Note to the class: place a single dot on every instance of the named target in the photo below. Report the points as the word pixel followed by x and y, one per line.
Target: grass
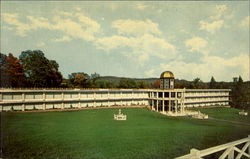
pixel 93 134
pixel 225 113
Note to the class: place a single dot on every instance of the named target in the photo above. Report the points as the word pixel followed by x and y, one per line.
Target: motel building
pixel 166 100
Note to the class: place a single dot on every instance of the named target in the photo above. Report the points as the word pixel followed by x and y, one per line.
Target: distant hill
pixel 151 80
pixel 115 78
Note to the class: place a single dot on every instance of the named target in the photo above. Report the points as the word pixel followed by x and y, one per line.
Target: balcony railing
pixel 228 149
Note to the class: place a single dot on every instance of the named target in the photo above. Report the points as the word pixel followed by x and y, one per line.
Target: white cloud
pixel 220 68
pixel 81 27
pixel 139 39
pixel 196 44
pixel 245 22
pixel 113 42
pixel 12 19
pixel 211 27
pixel 78 8
pixel 216 21
pixel 136 27
pixel 151 73
pixel 140 47
pixel 113 6
pixel 38 23
pixel 219 11
pixel 141 6
pixel 40 44
pixel 64 38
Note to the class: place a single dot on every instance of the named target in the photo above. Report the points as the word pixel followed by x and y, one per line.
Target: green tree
pixel 240 94
pixel 142 84
pixel 4 77
pixel 12 73
pixel 104 84
pixel 127 83
pixel 156 84
pixel 212 84
pixel 92 80
pixel 94 76
pixel 196 83
pixel 79 79
pixel 40 71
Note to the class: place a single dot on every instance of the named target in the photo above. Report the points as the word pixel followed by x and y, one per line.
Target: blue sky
pixel 133 39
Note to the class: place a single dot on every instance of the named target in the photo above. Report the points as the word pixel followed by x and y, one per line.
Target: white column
pixel 23 107
pixel 182 102
pixel 108 98
pixel 62 96
pixel 44 106
pixel 169 102
pixel 157 102
pixel 176 102
pixel 152 104
pixel 44 96
pixel 62 106
pixel 23 97
pixel 175 106
pixel 163 106
pixel 79 98
pixel 94 99
pixel 132 97
pixel 157 105
pixel 169 105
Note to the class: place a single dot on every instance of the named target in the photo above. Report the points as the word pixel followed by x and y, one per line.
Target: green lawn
pixel 93 134
pixel 226 113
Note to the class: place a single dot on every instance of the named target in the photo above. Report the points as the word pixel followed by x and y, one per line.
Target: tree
pixel 104 84
pixel 12 73
pixel 212 84
pixel 240 94
pixel 79 79
pixel 94 76
pixel 127 83
pixel 40 71
pixel 92 80
pixel 4 79
pixel 142 84
pixel 240 81
pixel 195 83
pixel 156 84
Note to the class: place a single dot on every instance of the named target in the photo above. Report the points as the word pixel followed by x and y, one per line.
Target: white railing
pixel 229 149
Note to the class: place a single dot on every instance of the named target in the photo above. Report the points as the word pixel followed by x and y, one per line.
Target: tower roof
pixel 167 74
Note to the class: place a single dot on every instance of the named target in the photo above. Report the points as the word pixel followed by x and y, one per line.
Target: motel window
pixel 172 94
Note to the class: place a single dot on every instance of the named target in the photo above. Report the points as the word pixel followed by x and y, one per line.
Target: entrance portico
pixel 167 101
